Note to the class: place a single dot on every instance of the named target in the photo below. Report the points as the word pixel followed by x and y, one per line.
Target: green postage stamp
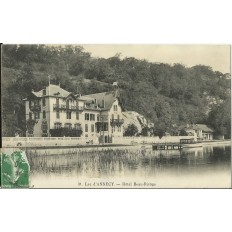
pixel 15 169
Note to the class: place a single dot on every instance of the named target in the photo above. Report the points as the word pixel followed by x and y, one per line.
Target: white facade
pixel 115 113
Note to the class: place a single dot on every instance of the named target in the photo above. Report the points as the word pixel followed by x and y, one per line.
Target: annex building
pixel 200 131
pixel 55 112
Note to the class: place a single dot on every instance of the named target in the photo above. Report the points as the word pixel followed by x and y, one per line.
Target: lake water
pixel 131 167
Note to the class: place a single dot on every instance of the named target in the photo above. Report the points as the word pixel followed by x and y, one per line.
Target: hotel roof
pixel 107 97
pixel 54 90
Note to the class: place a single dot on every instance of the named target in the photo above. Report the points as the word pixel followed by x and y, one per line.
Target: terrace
pixel 116 122
pixel 36 108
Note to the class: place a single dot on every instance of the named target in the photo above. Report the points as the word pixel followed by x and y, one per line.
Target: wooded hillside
pixel 167 95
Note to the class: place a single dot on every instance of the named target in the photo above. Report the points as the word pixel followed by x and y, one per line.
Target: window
pixel 87 117
pixel 77 126
pixel 57 101
pixel 69 115
pixel 36 115
pixel 92 117
pixel 44 102
pixel 30 104
pixel 77 105
pixel 44 114
pixel 30 115
pixel 57 125
pixel 57 114
pixel 86 127
pixel 106 126
pixel 44 126
pixel 77 115
pixel 67 104
pixel 44 91
pixel 98 118
pixel 92 128
pixel 36 103
pixel 68 125
pixel 112 116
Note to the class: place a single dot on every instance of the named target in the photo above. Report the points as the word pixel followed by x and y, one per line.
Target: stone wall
pixel 75 141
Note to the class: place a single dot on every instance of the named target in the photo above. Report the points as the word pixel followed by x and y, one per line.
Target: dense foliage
pixel 167 95
pixel 61 132
pixel 131 130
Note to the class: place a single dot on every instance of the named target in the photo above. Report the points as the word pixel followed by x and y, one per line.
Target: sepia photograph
pixel 115 116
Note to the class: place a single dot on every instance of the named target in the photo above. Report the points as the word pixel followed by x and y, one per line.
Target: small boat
pixel 166 146
pixel 189 143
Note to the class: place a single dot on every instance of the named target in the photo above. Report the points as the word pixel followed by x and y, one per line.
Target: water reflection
pixel 128 163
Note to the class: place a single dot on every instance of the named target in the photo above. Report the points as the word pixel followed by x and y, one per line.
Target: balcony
pixel 103 118
pixel 116 122
pixel 36 108
pixel 65 107
pixel 101 126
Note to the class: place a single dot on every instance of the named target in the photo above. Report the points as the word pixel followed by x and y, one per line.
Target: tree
pixel 160 132
pixel 131 130
pixel 165 94
pixel 61 132
pixel 9 55
pixel 220 118
pixel 145 131
pixel 183 132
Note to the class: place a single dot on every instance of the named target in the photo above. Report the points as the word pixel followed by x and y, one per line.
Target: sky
pixel 216 56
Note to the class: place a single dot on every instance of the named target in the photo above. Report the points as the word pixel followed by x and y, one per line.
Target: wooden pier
pixel 167 146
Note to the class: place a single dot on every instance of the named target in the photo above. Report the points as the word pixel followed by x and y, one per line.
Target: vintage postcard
pixel 115 116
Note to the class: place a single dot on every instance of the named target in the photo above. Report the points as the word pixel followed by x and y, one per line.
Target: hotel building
pixel 55 112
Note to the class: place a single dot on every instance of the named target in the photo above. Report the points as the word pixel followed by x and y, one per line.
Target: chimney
pixel 115 84
pixel 49 79
pixel 77 89
pixel 116 90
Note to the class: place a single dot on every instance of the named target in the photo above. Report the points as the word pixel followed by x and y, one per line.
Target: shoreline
pixel 108 145
pixel 216 142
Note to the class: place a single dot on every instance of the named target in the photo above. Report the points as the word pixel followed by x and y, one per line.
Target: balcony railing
pixel 35 108
pixel 103 118
pixel 65 107
pixel 101 126
pixel 91 106
pixel 116 122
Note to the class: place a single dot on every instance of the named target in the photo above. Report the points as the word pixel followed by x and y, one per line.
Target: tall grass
pixel 107 161
pixel 112 162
